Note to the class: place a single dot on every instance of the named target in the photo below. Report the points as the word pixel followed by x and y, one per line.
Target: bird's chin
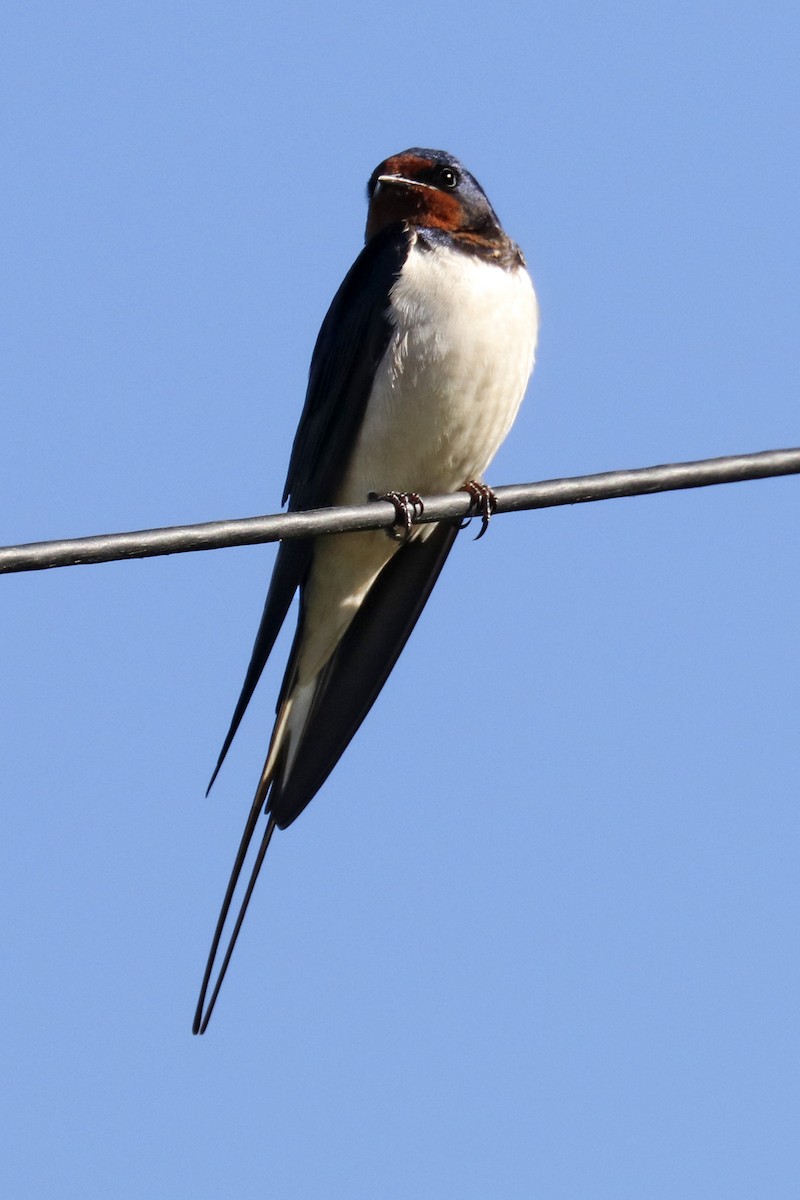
pixel 398 200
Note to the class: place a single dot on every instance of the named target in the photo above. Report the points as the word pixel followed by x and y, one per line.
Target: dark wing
pixel 350 681
pixel 350 345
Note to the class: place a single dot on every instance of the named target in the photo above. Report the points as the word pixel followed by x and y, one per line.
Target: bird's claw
pixel 408 507
pixel 483 504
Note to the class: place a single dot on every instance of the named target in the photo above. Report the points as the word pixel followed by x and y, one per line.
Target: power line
pixel 377 514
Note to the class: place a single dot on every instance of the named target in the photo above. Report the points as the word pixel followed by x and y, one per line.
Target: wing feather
pixel 351 680
pixel 351 344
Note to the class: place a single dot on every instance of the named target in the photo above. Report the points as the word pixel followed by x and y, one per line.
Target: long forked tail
pixel 317 720
pixel 203 1012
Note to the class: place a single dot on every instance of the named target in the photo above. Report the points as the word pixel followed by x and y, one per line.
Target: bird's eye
pixel 448 177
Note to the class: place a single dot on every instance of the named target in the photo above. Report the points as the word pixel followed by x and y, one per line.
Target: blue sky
pixel 538 935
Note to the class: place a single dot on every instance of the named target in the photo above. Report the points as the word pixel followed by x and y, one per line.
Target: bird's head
pixel 431 189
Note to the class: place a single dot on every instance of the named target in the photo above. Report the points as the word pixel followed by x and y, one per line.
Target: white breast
pixel 444 398
pixel 453 376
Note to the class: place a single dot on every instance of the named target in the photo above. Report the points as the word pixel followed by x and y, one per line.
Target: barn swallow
pixel 417 375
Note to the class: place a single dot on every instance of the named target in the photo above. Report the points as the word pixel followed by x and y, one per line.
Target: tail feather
pixel 201 1017
pixel 316 720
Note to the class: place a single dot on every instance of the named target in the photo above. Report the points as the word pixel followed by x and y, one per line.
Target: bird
pixel 418 372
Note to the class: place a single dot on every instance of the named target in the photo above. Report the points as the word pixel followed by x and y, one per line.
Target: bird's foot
pixel 483 504
pixel 408 507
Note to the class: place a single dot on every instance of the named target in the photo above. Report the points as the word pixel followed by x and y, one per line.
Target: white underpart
pixel 445 396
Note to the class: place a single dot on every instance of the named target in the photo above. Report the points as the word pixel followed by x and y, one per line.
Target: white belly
pixel 445 397
pixel 452 379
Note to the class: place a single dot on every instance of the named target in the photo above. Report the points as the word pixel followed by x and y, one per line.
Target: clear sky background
pixel 538 935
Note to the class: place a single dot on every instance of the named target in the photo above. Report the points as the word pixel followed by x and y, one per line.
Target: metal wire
pixel 247 531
